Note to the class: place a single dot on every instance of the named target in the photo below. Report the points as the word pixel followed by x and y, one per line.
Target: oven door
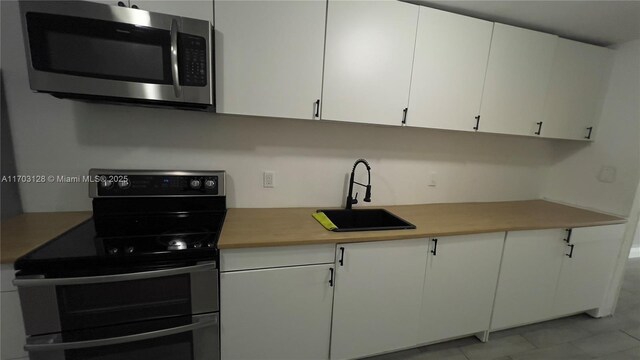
pixel 52 305
pixel 95 50
pixel 184 338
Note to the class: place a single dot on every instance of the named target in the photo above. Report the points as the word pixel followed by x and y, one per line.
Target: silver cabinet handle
pixel 48 342
pixel 177 89
pixel 114 278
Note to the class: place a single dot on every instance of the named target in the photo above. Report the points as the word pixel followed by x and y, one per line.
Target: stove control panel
pixel 149 183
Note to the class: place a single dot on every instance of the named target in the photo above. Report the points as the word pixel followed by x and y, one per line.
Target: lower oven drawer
pixel 183 338
pixel 53 305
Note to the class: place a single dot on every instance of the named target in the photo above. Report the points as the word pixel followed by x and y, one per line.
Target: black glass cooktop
pixel 142 220
pixel 107 243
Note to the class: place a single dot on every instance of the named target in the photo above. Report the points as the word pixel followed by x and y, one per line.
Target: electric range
pixel 138 279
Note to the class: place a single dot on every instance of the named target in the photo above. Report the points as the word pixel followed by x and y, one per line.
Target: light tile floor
pixel 572 338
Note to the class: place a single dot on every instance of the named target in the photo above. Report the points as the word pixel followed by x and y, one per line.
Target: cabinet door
pixel 576 91
pixel 586 274
pixel 518 76
pixel 377 297
pixel 269 57
pixel 460 285
pixel 280 313
pixel 12 336
pixel 528 277
pixel 368 59
pixel 448 70
pixel 196 9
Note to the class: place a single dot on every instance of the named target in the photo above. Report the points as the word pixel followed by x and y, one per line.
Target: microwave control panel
pixel 192 52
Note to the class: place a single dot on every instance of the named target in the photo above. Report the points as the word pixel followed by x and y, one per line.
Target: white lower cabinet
pixel 382 296
pixel 377 297
pixel 585 275
pixel 528 277
pixel 552 273
pixel 12 335
pixel 459 286
pixel 277 313
pixel 12 330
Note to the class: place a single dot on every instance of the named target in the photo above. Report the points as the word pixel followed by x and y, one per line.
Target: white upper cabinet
pixel 196 9
pixel 517 80
pixel 269 57
pixel 448 70
pixel 576 92
pixel 368 60
pixel 377 297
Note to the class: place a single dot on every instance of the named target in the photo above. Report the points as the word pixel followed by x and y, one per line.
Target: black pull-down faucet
pixel 367 196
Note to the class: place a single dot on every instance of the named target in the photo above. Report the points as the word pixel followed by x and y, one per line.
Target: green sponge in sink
pixel 324 221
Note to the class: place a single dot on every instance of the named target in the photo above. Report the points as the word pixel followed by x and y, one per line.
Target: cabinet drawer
pixel 269 257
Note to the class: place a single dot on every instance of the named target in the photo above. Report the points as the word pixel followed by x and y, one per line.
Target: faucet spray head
pixel 367 194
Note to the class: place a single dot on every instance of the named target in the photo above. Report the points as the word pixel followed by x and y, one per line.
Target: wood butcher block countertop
pixel 23 233
pixel 244 228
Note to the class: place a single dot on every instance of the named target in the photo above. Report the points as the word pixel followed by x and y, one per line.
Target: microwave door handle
pixel 48 342
pixel 177 89
pixel 209 266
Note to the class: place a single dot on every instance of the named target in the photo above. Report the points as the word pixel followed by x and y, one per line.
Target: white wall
pixel 310 158
pixel 573 176
pixel 635 246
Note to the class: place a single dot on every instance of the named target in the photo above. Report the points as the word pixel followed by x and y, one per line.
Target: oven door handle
pixel 177 89
pixel 26 282
pixel 53 342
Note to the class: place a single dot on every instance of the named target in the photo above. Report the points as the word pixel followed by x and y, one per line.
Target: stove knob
pixel 210 244
pixel 176 244
pixel 194 184
pixel 129 250
pixel 113 251
pixel 209 184
pixel 197 245
pixel 106 184
pixel 124 184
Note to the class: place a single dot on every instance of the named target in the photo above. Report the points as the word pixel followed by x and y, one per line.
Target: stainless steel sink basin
pixel 365 220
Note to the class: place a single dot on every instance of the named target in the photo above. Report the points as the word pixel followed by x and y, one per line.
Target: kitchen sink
pixel 365 220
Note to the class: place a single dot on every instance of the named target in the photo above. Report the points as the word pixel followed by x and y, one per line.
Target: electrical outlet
pixel 268 179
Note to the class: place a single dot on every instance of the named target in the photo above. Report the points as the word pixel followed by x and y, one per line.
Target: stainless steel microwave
pixel 80 49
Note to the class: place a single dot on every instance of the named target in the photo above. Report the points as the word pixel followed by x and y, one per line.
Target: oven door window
pixel 99 49
pixel 101 304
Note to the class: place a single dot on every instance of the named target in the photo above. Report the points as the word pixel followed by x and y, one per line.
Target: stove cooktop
pixel 129 232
